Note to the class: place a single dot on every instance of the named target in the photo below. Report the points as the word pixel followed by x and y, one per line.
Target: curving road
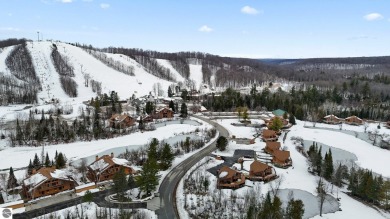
pixel 167 189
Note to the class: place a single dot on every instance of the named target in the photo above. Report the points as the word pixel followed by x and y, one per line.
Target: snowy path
pixel 196 75
pixel 45 70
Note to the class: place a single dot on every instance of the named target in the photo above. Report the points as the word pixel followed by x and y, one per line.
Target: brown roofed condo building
pixel 354 120
pixel 229 178
pixel 261 172
pixel 47 181
pixel 281 159
pixel 269 135
pixel 271 146
pixel 105 167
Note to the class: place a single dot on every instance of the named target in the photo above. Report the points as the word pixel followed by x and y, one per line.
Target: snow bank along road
pixel 167 189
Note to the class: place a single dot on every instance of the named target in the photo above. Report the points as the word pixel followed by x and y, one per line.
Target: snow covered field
pixel 78 150
pixel 88 210
pixel 297 178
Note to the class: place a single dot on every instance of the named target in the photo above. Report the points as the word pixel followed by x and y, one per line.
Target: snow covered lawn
pixel 297 178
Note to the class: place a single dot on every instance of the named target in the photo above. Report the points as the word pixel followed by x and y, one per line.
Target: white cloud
pixel 250 10
pixel 205 28
pixel 9 29
pixel 9 14
pixel 66 1
pixel 361 37
pixel 104 5
pixel 373 17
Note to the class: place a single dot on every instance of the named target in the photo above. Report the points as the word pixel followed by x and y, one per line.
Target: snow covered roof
pixel 118 117
pixel 105 161
pixel 223 174
pixel 35 179
pixel 353 117
pixel 331 116
pixel 44 174
pixel 119 161
pixel 226 172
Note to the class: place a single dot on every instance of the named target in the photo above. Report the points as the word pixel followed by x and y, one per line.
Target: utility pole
pixel 38 35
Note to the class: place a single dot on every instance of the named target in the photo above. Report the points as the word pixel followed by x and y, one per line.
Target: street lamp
pixel 38 35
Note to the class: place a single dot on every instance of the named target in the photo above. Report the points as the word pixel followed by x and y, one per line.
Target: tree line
pixel 66 72
pixel 117 65
pixel 305 103
pixel 51 129
pixel 11 42
pixel 24 85
pixel 361 183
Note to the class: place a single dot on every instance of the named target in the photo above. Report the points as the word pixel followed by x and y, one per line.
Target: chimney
pixel 241 161
pixel 97 157
pixel 112 154
pixel 33 171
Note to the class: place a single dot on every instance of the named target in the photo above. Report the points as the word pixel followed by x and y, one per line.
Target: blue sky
pixel 244 28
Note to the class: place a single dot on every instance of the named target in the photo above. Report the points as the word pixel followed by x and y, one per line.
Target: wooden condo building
pixel 281 159
pixel 332 119
pixel 47 181
pixel 271 146
pixel 105 167
pixel 119 121
pixel 229 178
pixel 269 135
pixel 261 172
pixel 353 120
pixel 163 113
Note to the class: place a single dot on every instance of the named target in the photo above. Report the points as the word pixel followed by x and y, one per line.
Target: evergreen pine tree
pixel 170 93
pixel 149 107
pixel 12 182
pixel 47 160
pixel 148 179
pixel 166 157
pixel 19 133
pixel 276 124
pixel 318 162
pixel 97 129
pixel 292 119
pixel 277 211
pixel 267 209
pixel 130 182
pixel 152 150
pixel 30 167
pixel 222 143
pixel 328 172
pixel 120 184
pixel 183 110
pixel 61 161
pixel 36 162
pixel 172 106
pixel 295 209
pixel 141 124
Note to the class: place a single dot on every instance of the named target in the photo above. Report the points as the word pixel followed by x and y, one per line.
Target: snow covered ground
pixel 88 210
pixel 368 156
pixel 79 150
pixel 196 75
pixel 167 64
pixel 297 178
